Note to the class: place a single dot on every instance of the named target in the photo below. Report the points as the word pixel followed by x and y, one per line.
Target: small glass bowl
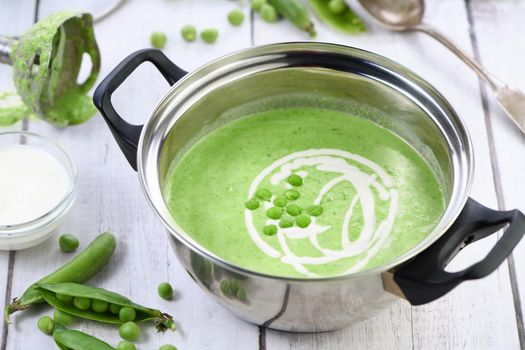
pixel 29 234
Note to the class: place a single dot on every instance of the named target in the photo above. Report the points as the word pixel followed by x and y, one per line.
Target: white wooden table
pixel 484 314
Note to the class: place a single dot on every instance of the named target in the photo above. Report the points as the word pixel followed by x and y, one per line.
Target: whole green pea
pixel 270 230
pixel 292 195
pixel 236 17
pixel 68 243
pixel 124 345
pixel 225 287
pixel 257 4
pixel 295 180
pixel 127 314
pixel 337 6
pixel 82 303
pixel 99 305
pixel 63 318
pixel 252 204
pixel 294 209
pixel 280 202
pixel 274 213
pixel 268 13
pixel 129 331
pixel 167 347
pixel 115 309
pixel 46 324
pixel 263 194
pixel 303 221
pixel 285 223
pixel 158 40
pixel 314 210
pixel 64 297
pixel 165 291
pixel 209 35
pixel 188 33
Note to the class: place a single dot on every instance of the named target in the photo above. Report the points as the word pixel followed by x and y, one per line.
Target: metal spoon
pixel 407 15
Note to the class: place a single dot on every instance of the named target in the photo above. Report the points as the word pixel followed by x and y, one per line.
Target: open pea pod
pixel 346 21
pixel 49 292
pixel 67 339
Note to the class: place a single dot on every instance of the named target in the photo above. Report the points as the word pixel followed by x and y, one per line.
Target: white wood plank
pixel 110 198
pixel 499 29
pixel 467 317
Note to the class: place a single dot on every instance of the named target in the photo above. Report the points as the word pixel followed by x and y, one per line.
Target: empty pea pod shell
pixel 67 339
pixel 162 321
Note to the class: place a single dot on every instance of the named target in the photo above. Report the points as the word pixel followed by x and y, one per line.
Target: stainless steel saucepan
pixel 393 97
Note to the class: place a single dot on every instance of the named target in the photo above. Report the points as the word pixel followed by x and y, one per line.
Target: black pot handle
pixel 127 135
pixel 424 279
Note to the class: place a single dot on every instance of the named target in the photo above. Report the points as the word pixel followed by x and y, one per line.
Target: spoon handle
pixel 510 99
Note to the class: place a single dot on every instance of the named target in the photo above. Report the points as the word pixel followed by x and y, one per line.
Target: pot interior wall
pixel 316 87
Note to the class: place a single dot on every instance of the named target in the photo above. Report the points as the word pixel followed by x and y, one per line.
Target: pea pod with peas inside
pixel 62 296
pixel 82 267
pixel 344 20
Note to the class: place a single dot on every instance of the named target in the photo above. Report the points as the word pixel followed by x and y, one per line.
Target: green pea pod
pixel 67 339
pixel 162 321
pixel 82 267
pixel 346 22
pixel 297 13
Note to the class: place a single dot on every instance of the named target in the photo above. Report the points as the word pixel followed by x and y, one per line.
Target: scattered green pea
pixel 252 204
pixel 127 314
pixel 270 230
pixel 314 210
pixel 209 35
pixel 280 202
pixel 294 209
pixel 225 287
pixel 64 297
pixel 292 195
pixel 63 318
pixel 115 309
pixel 124 345
pixel 295 180
pixel 82 303
pixel 234 286
pixel 285 223
pixel 46 324
pixel 268 13
pixel 303 221
pixel 129 331
pixel 337 6
pixel 68 243
pixel 99 305
pixel 158 40
pixel 274 213
pixel 167 347
pixel 165 290
pixel 257 4
pixel 188 33
pixel 241 294
pixel 236 17
pixel 263 194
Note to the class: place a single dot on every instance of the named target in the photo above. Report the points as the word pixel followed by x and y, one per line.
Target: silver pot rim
pixel 159 123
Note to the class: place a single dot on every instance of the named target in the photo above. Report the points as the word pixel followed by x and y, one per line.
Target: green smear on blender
pixel 12 109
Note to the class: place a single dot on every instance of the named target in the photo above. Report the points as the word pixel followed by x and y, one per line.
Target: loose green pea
pixel 188 33
pixel 158 40
pixel 127 314
pixel 209 35
pixel 236 17
pixel 82 303
pixel 63 318
pixel 337 6
pixel 252 204
pixel 225 287
pixel 280 202
pixel 285 223
pixel 124 345
pixel 292 195
pixel 303 221
pixel 274 213
pixel 115 309
pixel 99 305
pixel 270 230
pixel 295 180
pixel 241 294
pixel 129 331
pixel 234 286
pixel 268 13
pixel 263 194
pixel 314 210
pixel 294 209
pixel 167 347
pixel 165 291
pixel 257 4
pixel 46 324
pixel 64 297
pixel 68 243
